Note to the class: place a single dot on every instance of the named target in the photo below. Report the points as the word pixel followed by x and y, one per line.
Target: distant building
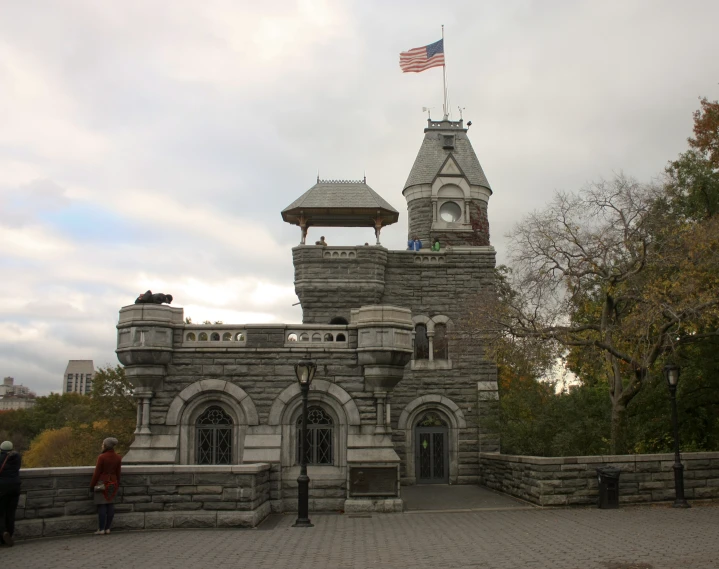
pixel 15 396
pixel 78 377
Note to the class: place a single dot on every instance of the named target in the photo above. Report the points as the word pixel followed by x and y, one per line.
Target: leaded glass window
pixel 421 342
pixel 319 445
pixel 431 419
pixel 214 436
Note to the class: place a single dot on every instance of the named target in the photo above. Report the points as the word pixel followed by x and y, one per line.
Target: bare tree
pixel 598 271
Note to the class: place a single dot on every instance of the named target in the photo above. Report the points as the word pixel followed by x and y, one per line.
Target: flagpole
pixel 444 78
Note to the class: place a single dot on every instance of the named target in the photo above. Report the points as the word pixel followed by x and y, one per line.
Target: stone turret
pixel 447 191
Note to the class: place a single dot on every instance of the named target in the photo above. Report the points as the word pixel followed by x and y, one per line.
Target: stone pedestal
pixel 144 346
pixel 384 346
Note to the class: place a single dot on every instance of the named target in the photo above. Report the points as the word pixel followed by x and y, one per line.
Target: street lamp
pixel 671 373
pixel 305 371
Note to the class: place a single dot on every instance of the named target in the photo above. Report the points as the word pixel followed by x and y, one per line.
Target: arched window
pixel 339 320
pixel 214 437
pixel 421 342
pixel 440 342
pixel 215 337
pixel 319 444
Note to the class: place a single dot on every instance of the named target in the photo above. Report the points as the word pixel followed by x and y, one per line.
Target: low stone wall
pixel 57 501
pixel 566 481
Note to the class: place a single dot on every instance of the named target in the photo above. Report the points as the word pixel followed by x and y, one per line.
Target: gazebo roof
pixel 340 203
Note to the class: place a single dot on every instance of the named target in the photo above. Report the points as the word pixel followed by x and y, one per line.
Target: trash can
pixel 608 477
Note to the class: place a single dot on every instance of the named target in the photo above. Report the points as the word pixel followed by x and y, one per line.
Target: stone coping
pixel 148 469
pixel 450 249
pixel 301 348
pixel 600 459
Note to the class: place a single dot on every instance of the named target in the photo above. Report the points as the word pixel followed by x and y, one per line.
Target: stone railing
pixel 57 501
pixel 209 335
pixel 316 335
pixel 565 481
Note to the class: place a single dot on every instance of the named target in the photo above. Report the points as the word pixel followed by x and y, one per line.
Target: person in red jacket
pixel 105 483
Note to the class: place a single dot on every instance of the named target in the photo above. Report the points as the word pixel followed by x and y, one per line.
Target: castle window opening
pixel 191 337
pixel 450 212
pixel 421 342
pixel 341 338
pixel 215 337
pixel 203 337
pixel 226 337
pixel 214 437
pixel 240 337
pixel 440 350
pixel 292 337
pixel 304 337
pixel 339 320
pixel 329 337
pixel 319 447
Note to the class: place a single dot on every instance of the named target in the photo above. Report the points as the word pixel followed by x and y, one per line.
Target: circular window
pixel 450 212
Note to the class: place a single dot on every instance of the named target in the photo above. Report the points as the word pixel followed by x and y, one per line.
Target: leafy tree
pixel 706 130
pixel 77 445
pixel 67 429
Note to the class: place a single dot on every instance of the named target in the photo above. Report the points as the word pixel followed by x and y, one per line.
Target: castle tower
pixel 331 281
pixel 447 191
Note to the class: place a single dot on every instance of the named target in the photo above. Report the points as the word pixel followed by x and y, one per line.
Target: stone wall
pixel 57 501
pixel 445 283
pixel 566 481
pixel 419 213
pixel 329 281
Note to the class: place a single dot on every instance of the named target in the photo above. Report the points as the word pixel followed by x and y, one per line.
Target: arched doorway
pixel 432 451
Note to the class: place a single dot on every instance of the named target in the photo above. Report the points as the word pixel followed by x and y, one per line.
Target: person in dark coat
pixel 105 483
pixel 10 462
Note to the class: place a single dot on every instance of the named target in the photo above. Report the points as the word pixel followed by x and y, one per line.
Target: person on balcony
pixel 321 242
pixel 414 244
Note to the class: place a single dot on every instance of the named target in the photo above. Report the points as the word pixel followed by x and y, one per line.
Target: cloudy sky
pixel 152 144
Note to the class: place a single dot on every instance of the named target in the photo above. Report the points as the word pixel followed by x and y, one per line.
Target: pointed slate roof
pixel 432 155
pixel 340 203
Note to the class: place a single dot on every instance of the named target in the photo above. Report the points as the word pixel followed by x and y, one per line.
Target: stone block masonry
pixel 566 481
pixel 57 501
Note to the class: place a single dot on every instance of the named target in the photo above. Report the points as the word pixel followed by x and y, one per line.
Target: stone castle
pixel 395 400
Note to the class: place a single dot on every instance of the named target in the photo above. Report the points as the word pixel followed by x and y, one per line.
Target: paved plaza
pixel 656 537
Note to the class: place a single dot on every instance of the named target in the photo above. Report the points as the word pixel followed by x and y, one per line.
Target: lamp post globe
pixel 305 372
pixel 671 374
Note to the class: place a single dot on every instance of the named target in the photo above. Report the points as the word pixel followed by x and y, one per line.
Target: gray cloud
pixel 181 129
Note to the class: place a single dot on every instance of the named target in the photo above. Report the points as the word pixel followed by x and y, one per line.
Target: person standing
pixel 435 245
pixel 105 484
pixel 10 462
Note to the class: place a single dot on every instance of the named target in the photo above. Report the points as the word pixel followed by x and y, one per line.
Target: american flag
pixel 421 58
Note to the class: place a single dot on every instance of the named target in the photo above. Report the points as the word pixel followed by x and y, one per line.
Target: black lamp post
pixel 305 371
pixel 671 373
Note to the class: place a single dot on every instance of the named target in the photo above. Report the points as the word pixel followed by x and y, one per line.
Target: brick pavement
pixel 656 537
